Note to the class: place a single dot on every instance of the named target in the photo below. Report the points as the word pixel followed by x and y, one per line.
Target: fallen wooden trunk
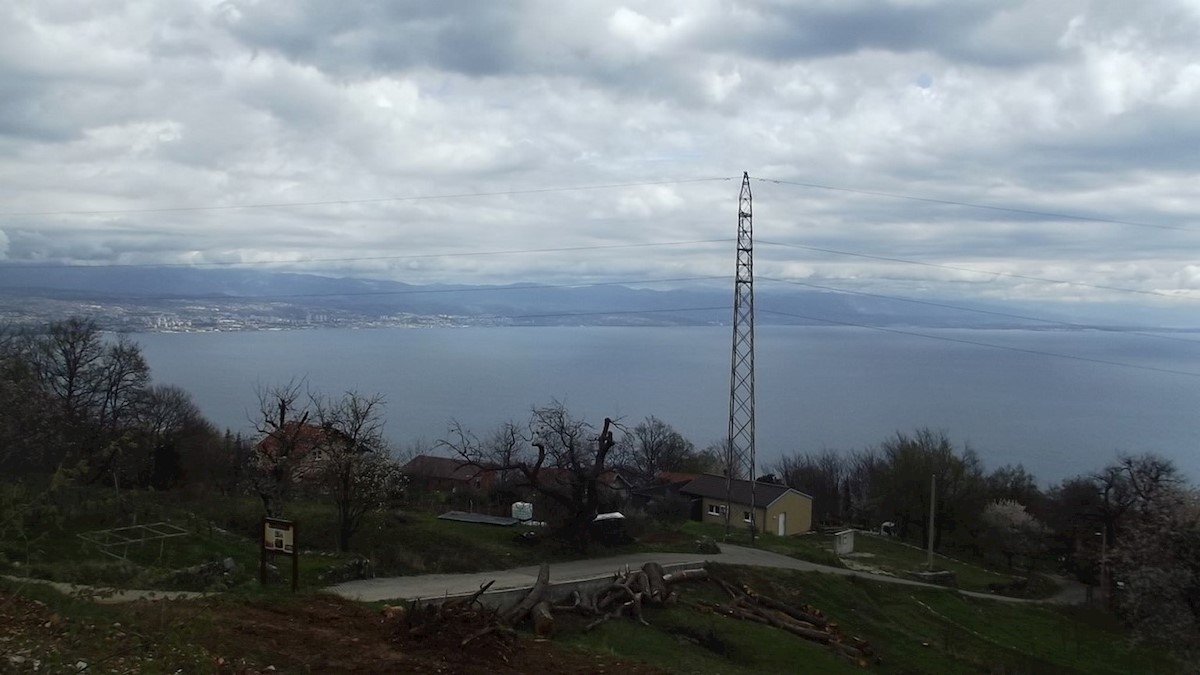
pixel 543 620
pixel 517 613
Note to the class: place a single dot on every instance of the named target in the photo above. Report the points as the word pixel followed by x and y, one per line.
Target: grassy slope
pixel 221 527
pixel 914 631
pixel 415 543
pixel 899 559
pixel 817 548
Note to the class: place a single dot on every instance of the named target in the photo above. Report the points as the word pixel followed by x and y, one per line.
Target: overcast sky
pixel 1074 107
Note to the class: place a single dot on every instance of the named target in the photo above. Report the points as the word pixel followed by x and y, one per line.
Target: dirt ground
pixel 311 634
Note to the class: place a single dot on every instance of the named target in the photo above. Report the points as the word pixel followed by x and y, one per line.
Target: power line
pixel 617 312
pixel 415 256
pixel 339 202
pixel 977 310
pixel 989 207
pixel 956 268
pixel 1021 350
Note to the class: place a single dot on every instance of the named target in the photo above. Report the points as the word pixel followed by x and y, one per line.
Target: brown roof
pixel 675 476
pixel 448 468
pixel 715 487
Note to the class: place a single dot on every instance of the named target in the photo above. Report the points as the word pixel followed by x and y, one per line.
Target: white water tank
pixel 522 511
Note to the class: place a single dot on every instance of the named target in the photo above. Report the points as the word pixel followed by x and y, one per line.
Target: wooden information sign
pixel 279 538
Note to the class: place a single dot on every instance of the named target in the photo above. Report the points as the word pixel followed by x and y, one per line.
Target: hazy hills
pixel 48 291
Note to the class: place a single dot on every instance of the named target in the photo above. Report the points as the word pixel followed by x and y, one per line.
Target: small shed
pixel 843 542
pixel 609 529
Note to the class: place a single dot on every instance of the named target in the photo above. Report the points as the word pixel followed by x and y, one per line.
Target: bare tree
pixel 282 424
pixel 96 387
pixel 556 455
pixel 355 467
pixel 176 436
pixel 1131 486
pixel 865 471
pixel 656 446
pixel 28 427
pixel 820 475
pixel 123 378
pixel 69 358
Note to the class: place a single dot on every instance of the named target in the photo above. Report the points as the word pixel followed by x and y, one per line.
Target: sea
pixel 1060 402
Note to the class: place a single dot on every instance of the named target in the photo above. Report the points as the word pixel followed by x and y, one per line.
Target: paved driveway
pixel 439 585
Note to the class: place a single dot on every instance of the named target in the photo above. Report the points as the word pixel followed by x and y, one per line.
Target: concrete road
pixel 440 585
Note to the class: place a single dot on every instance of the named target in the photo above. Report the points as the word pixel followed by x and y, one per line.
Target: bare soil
pixel 310 634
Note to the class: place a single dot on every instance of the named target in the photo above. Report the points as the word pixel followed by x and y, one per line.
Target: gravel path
pixel 107 596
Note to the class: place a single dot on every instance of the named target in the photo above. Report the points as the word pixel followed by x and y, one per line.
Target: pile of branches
pixel 801 620
pixel 467 624
pixel 452 626
pixel 629 591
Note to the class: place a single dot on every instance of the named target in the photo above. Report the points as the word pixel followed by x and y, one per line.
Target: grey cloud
pixel 790 31
pixel 376 37
pixel 255 103
pixel 30 113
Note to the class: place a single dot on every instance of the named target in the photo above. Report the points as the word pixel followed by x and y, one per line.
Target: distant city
pixel 225 316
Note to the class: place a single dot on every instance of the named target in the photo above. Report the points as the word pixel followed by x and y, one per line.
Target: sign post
pixel 279 537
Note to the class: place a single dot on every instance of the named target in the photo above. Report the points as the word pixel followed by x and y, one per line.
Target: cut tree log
pixel 654 580
pixel 685 575
pixel 517 613
pixel 794 612
pixel 543 620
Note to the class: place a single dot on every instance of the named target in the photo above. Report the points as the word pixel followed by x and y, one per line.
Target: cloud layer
pixel 1072 107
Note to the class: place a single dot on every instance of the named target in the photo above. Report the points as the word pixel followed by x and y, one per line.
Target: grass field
pixel 899 559
pixel 911 630
pixel 397 543
pixel 914 631
pixel 227 527
pixel 817 548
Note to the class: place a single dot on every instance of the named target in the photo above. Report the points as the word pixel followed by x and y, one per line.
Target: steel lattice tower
pixel 741 379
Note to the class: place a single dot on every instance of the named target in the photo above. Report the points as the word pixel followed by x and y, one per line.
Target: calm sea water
pixel 817 388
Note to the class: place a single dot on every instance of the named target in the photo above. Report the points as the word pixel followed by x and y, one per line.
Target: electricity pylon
pixel 741 378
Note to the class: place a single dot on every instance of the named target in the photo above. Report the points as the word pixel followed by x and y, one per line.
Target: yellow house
pixel 779 510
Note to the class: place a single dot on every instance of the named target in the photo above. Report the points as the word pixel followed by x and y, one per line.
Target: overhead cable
pixel 341 202
pixel 957 268
pixel 990 207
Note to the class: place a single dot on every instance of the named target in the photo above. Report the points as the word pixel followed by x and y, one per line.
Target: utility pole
pixel 741 378
pixel 932 505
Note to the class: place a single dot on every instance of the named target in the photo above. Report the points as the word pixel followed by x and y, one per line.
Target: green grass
pixel 228 527
pixel 59 554
pixel 900 560
pixel 685 641
pixel 912 631
pixel 813 547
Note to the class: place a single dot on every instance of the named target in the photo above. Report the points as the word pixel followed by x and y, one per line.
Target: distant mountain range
pixel 148 294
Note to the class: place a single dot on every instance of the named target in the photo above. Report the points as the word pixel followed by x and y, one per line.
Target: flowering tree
pixel 1011 530
pixel 353 465
pixel 1158 563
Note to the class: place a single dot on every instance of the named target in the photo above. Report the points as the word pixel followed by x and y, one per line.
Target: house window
pixel 746 517
pixel 716 509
